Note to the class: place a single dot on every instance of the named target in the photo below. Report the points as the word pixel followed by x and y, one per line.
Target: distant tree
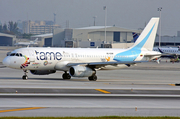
pixel 12 27
pixel 26 35
pixel 5 29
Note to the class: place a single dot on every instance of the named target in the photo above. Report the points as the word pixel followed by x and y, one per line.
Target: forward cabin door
pixel 31 55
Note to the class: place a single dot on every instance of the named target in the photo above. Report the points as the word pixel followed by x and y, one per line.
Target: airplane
pixel 84 62
pixel 169 50
pixel 27 43
pixel 135 36
pixel 172 53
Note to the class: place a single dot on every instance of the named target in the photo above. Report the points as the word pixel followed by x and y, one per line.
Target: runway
pixel 90 106
pixel 144 90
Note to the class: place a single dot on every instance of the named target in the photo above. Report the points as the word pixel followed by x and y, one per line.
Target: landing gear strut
pixel 66 75
pixel 92 78
pixel 25 77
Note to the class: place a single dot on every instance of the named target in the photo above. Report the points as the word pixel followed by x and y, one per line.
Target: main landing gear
pixel 66 75
pixel 25 77
pixel 92 78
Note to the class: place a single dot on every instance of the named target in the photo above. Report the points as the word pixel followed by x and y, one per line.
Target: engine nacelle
pixel 81 71
pixel 42 72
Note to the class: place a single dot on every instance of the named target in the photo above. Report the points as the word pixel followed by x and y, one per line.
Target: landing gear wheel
pixel 92 78
pixel 66 76
pixel 24 77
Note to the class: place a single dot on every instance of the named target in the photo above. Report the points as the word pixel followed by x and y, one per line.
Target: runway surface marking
pixel 172 84
pixel 21 109
pixel 103 91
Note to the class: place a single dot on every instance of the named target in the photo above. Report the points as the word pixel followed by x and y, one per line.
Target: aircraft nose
pixel 6 61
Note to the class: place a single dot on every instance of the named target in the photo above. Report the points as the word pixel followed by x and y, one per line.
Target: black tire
pixel 24 77
pixel 92 78
pixel 66 76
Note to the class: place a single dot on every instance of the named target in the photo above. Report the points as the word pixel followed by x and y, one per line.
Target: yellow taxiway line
pixel 21 109
pixel 172 84
pixel 103 91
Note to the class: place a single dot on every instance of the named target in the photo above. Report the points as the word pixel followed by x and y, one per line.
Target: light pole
pixel 94 20
pixel 105 22
pixel 160 9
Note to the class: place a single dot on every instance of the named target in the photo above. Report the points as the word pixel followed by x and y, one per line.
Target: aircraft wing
pixel 105 63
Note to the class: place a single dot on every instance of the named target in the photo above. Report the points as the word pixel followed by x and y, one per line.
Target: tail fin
pixel 147 37
pixel 35 41
pixel 160 50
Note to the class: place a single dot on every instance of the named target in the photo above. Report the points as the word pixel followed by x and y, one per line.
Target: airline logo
pixel 45 63
pixel 105 59
pixel 108 59
pixel 25 64
pixel 48 55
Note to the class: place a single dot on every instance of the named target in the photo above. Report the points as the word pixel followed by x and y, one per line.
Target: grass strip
pixel 103 117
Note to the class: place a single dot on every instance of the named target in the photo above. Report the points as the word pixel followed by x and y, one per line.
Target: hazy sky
pixel 131 14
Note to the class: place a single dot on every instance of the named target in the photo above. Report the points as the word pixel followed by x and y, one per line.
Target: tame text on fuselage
pixel 48 55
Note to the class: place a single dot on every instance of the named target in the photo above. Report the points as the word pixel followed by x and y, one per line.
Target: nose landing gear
pixel 25 77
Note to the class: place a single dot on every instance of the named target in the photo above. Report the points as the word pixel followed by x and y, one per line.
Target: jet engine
pixel 81 71
pixel 42 72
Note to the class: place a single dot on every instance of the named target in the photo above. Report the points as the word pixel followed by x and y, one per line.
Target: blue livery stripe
pixel 133 53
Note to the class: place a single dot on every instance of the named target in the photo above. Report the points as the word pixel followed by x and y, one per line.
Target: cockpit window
pixel 16 54
pixel 8 53
pixel 12 54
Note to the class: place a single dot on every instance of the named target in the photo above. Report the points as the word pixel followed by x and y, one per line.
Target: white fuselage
pixel 58 58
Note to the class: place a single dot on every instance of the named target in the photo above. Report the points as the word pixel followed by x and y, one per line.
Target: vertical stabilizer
pixel 147 37
pixel 35 41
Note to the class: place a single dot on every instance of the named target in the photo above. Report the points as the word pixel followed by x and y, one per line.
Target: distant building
pixel 44 40
pixel 38 27
pixel 7 39
pixel 93 37
pixel 168 40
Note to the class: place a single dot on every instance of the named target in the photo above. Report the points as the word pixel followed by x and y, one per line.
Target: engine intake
pixel 42 72
pixel 81 71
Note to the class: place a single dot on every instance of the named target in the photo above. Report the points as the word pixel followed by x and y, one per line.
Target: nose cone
pixel 6 61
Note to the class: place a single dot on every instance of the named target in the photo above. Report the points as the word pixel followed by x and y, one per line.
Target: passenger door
pixel 31 55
